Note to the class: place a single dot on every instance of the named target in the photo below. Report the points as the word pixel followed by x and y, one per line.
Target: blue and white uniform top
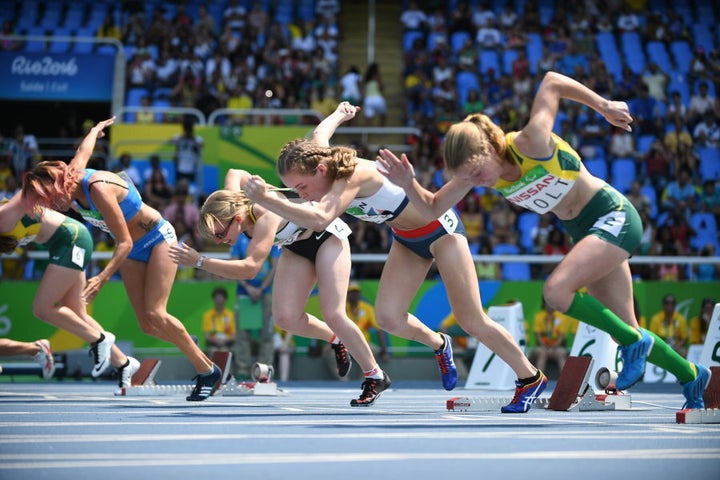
pixel 129 205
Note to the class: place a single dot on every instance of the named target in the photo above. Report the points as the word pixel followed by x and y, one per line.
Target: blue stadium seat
pixel 409 39
pixel 61 46
pixel 702 36
pixel 705 230
pixel 526 222
pixel 457 40
pixel 434 38
pixel 51 17
pixel 649 191
pixel 28 15
pixel 489 60
pixel 534 49
pixel 283 14
pixel 160 103
pixel 512 271
pixel 133 99
pixel 36 45
pixel 709 163
pixel 622 173
pixel 597 167
pixel 681 55
pixel 631 46
pixel 74 16
pixel 679 82
pixel 657 53
pixel 609 53
pixel 705 12
pixel 464 82
pixel 644 142
pixel 509 55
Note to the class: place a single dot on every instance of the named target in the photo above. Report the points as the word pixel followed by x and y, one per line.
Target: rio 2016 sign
pixel 40 77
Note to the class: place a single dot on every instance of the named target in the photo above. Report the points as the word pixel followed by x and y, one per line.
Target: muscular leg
pixel 401 278
pixel 454 262
pixel 73 300
pixel 333 271
pixel 49 305
pixel 148 287
pixel 294 281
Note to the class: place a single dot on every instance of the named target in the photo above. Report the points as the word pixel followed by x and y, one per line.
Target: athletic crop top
pixel 385 204
pixel 544 182
pixel 286 235
pixel 24 231
pixel 129 205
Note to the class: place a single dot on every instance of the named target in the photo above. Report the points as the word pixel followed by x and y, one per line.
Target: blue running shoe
pixel 634 357
pixel 205 385
pixel 448 372
pixel 525 395
pixel 694 389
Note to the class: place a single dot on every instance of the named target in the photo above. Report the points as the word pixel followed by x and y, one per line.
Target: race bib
pixel 78 256
pixel 168 233
pixel 339 228
pixel 611 223
pixel 449 221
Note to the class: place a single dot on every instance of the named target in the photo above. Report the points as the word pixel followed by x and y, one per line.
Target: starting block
pixel 573 390
pixel 143 382
pixel 711 397
pixel 262 384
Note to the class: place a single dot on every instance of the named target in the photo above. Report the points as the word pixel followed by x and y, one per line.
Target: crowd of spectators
pixel 471 56
pixel 241 54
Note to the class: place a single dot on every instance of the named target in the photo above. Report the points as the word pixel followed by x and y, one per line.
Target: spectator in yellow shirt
pixel 671 326
pixel 699 324
pixel 218 324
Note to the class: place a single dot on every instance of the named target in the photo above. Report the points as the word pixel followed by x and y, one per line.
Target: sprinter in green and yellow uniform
pixel 536 169
pixel 59 299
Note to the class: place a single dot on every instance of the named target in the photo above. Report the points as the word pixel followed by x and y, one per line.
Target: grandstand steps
pixel 389 55
pixel 353 50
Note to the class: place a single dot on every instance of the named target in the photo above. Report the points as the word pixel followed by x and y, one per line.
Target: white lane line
pixel 82 460
pixel 139 437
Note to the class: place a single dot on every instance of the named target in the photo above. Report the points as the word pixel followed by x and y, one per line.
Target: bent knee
pixel 557 297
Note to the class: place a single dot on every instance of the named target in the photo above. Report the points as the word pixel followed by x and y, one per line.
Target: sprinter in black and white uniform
pixel 308 257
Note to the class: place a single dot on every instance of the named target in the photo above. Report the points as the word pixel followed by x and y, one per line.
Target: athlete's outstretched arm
pixel 316 216
pixel 86 148
pixel 324 131
pixel 534 137
pixel 430 205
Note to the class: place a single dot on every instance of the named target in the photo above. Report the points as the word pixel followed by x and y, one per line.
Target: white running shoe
pixel 126 373
pixel 101 353
pixel 45 358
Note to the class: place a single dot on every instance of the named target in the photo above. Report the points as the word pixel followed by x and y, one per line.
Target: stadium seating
pixel 622 173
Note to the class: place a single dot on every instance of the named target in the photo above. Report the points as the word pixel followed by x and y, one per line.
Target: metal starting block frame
pixel 234 388
pixel 711 397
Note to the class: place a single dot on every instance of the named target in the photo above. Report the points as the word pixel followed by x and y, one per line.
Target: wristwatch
pixel 200 261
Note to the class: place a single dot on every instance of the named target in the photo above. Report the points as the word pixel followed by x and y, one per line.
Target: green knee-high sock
pixel 665 357
pixel 586 308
